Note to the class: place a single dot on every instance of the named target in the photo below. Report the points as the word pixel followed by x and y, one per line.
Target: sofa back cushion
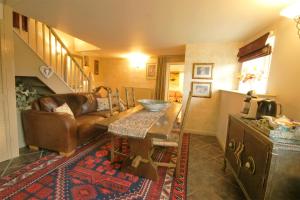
pixel 90 104
pixel 102 104
pixel 64 109
pixel 74 101
pixel 79 103
pixel 47 104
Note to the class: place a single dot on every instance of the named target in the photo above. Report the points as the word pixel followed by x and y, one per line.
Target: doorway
pixel 174 82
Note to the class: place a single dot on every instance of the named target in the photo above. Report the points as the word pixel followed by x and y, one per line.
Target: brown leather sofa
pixel 60 131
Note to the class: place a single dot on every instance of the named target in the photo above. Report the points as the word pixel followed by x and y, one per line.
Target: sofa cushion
pixel 90 104
pixel 86 127
pixel 73 100
pixel 47 104
pixel 64 109
pixel 102 104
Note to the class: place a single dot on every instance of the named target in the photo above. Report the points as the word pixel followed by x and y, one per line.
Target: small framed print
pixel 96 67
pixel 151 70
pixel 201 89
pixel 203 70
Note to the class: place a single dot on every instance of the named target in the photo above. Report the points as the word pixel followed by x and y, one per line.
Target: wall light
pixel 137 59
pixel 293 12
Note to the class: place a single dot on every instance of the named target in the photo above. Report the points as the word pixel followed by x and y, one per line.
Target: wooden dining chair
pixel 130 97
pixel 175 140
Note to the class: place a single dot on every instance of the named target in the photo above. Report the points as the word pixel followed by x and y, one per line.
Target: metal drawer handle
pixel 235 153
pixel 231 144
pixel 250 165
pixel 239 153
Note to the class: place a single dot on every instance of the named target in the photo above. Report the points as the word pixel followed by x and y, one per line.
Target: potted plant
pixel 25 95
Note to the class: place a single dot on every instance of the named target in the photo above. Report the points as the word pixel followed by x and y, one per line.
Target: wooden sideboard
pixel 264 168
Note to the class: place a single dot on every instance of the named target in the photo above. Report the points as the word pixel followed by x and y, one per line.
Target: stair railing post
pixel 90 82
pixel 61 63
pixel 56 60
pixel 43 38
pixel 36 35
pixel 50 49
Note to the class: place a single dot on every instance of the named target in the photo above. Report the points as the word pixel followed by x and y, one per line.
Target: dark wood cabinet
pixel 234 140
pixel 256 160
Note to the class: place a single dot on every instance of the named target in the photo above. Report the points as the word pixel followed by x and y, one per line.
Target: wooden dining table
pixel 140 162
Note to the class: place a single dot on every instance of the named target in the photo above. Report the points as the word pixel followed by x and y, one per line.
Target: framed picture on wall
pixel 96 67
pixel 201 89
pixel 203 70
pixel 151 70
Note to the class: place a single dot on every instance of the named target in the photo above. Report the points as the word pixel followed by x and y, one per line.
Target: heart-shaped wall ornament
pixel 46 71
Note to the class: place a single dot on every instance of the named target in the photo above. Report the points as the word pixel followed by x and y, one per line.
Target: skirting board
pixel 198 132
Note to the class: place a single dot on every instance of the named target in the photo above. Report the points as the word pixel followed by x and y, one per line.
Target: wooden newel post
pixel 90 82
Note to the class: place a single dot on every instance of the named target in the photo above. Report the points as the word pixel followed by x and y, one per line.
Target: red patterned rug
pixel 88 174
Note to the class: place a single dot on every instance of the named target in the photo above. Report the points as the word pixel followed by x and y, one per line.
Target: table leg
pixel 142 165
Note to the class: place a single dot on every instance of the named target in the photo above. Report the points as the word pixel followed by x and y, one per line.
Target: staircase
pixel 46 43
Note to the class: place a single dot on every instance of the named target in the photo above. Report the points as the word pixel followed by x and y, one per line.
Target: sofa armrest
pixel 50 130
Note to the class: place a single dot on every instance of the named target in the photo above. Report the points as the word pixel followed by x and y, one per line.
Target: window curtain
pixel 161 77
pixel 256 49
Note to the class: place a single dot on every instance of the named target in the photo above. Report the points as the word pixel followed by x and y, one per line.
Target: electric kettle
pixel 268 107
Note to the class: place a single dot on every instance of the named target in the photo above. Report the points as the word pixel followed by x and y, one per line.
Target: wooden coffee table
pixel 141 163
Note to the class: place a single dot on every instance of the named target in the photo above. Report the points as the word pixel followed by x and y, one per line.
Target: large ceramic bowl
pixel 153 105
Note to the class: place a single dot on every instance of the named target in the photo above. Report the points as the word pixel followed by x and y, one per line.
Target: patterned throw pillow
pixel 103 104
pixel 64 109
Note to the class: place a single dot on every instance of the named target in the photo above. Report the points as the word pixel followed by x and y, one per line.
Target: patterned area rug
pixel 88 174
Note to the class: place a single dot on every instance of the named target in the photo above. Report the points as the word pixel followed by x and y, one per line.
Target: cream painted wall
pixel 117 73
pixel 230 103
pixel 203 114
pixel 284 79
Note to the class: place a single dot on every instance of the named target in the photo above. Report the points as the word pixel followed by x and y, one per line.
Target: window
pixel 255 73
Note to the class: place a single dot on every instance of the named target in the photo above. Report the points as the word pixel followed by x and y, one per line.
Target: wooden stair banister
pixel 47 44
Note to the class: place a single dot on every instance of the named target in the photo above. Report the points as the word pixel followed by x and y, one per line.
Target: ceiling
pixel 156 27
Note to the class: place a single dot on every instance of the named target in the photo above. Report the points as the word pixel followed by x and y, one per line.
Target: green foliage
pixel 25 96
